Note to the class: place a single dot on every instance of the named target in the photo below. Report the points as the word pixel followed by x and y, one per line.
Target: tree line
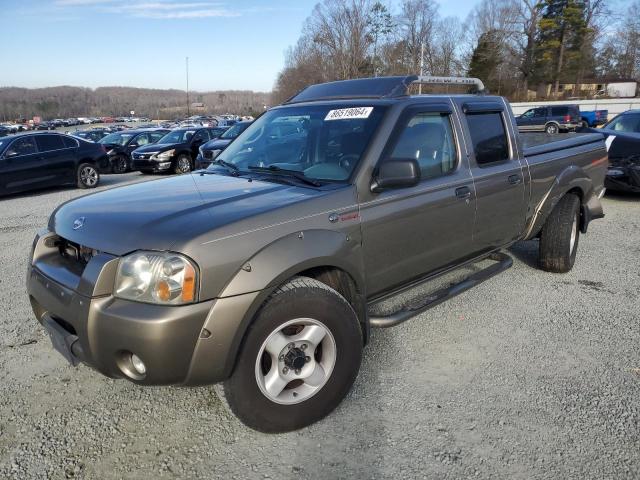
pixel 65 102
pixel 514 46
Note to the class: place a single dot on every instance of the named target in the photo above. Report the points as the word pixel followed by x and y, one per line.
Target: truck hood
pixel 157 215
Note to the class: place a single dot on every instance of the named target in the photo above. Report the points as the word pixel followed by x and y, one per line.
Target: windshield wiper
pixel 228 165
pixel 290 173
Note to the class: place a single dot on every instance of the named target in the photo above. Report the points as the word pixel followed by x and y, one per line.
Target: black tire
pixel 584 124
pixel 302 298
pixel 551 128
pixel 87 176
pixel 183 164
pixel 557 253
pixel 120 164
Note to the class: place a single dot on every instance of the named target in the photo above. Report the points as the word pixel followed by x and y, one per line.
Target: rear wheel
pixel 87 176
pixel 298 360
pixel 183 164
pixel 560 235
pixel 584 124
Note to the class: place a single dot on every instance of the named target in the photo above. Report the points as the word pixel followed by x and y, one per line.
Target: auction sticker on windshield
pixel 349 113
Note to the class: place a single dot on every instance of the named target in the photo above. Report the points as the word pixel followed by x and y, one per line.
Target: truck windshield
pixel 322 142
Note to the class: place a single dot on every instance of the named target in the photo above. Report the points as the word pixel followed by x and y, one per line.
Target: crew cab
pixel 265 270
pixel 593 118
pixel 550 119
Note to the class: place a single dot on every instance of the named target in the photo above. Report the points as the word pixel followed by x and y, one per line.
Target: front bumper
pixel 88 324
pixel 151 165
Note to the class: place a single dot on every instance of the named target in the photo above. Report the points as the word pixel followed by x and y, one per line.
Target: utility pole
pixel 421 66
pixel 188 110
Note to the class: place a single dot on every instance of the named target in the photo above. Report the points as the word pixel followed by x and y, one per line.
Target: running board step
pixel 503 262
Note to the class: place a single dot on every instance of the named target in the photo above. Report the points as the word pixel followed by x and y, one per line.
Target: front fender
pixel 215 355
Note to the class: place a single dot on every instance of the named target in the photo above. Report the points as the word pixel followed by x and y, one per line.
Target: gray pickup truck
pixel 261 271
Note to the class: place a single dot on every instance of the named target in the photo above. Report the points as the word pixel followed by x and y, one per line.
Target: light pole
pixel 188 111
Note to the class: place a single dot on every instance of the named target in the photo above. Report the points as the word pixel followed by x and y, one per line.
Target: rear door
pixel 58 159
pixel 498 175
pixel 410 232
pixel 200 138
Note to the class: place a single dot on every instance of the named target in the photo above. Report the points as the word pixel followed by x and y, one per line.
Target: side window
pixel 156 136
pixel 47 143
pixel 142 139
pixel 202 136
pixel 22 146
pixel 428 137
pixel 540 112
pixel 70 142
pixel 489 137
pixel 559 111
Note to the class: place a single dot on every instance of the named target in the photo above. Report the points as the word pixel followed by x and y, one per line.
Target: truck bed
pixel 539 143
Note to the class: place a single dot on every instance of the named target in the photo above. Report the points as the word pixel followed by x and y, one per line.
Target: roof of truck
pixel 380 88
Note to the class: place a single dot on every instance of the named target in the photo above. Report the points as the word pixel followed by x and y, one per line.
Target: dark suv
pixel 119 145
pixel 174 152
pixel 39 160
pixel 210 150
pixel 550 119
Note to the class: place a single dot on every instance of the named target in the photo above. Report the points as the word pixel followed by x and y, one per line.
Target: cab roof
pixel 377 88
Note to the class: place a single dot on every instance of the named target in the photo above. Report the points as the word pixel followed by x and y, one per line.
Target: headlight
pixel 156 277
pixel 165 155
pixel 614 172
pixel 201 152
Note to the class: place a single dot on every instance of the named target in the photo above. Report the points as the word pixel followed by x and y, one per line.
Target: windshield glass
pixel 116 138
pixel 322 142
pixel 235 131
pixel 629 122
pixel 177 136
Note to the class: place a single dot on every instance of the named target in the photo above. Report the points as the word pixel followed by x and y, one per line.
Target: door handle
pixel 463 192
pixel 515 179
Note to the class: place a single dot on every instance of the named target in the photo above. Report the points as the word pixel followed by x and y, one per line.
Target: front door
pixel 21 166
pixel 410 232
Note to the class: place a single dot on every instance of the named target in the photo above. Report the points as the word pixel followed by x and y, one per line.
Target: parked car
pixel 623 142
pixel 37 160
pixel 45 126
pixel 593 118
pixel 175 152
pixel 550 119
pixel 260 271
pixel 93 135
pixel 4 131
pixel 119 145
pixel 208 152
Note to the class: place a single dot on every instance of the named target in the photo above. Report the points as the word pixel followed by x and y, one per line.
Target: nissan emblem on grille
pixel 78 223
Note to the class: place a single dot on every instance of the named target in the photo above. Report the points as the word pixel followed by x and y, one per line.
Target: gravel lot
pixel 530 375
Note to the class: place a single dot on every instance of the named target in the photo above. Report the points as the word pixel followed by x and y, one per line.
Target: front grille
pixel 208 154
pixel 73 252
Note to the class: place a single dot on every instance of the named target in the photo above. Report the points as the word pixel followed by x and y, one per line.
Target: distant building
pixel 613 88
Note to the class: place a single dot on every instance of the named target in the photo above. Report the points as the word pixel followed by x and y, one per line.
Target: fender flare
pixel 283 259
pixel 571 179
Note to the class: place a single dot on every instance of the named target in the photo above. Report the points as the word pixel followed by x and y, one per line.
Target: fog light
pixel 138 364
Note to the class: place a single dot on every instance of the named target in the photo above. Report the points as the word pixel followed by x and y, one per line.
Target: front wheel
pixel 298 360
pixel 120 164
pixel 87 176
pixel 183 164
pixel 551 129
pixel 560 235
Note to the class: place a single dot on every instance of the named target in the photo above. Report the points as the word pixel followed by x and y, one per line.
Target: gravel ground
pixel 530 375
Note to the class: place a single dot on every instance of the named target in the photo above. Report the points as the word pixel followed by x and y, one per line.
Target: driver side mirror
pixel 396 173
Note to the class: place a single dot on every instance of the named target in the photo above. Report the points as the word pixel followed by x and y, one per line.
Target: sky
pixel 234 44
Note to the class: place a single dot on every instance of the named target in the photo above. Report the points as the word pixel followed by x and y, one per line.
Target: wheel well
pixel 346 286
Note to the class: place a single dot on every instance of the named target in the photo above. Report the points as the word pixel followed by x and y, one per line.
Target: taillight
pixel 567 118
